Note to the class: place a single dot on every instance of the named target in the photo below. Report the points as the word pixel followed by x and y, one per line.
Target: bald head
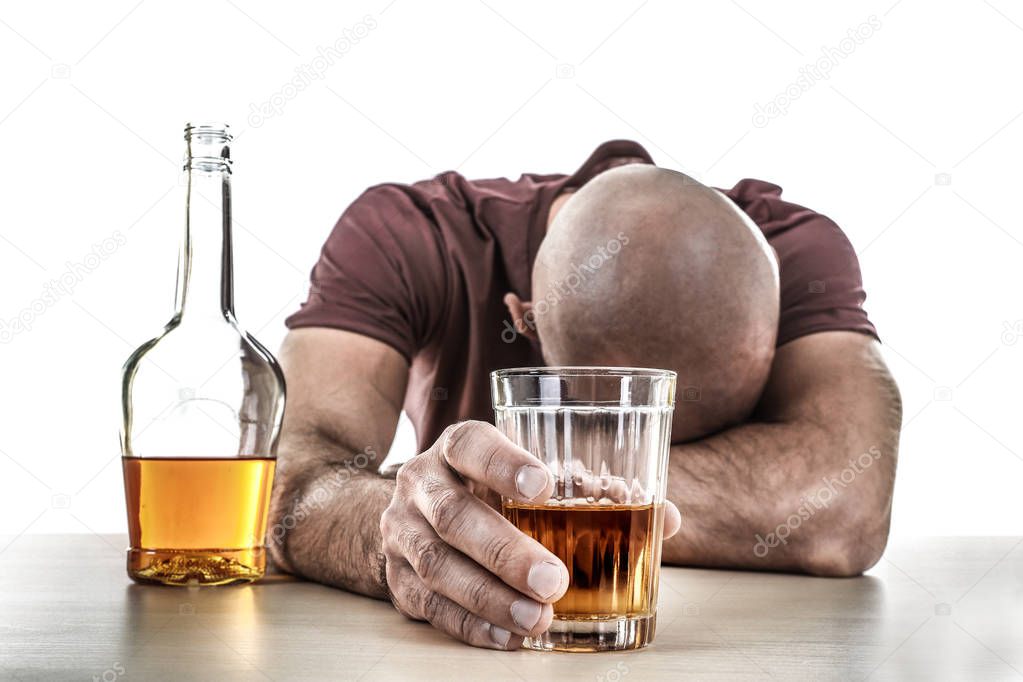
pixel 646 267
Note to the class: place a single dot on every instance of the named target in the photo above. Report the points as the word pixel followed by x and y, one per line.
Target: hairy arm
pixel 344 397
pixel 423 539
pixel 806 485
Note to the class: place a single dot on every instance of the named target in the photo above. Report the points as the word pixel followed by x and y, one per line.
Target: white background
pixel 912 145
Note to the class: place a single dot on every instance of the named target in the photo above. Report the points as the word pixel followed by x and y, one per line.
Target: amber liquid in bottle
pixel 194 520
pixel 612 558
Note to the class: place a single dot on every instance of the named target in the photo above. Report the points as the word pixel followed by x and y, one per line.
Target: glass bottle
pixel 202 407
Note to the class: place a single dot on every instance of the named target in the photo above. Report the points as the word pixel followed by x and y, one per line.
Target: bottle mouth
pixel 208 129
pixel 208 147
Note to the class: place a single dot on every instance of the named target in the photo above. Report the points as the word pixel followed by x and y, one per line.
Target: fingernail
pixel 544 579
pixel 499 635
pixel 530 481
pixel 525 613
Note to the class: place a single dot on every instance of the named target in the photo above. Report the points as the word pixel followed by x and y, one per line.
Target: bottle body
pixel 202 408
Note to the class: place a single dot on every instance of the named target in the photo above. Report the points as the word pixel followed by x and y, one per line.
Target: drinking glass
pixel 604 434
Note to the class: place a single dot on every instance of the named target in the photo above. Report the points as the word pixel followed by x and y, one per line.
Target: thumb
pixel 672 519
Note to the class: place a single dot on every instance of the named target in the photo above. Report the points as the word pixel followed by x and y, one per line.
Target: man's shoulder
pixel 762 202
pixel 455 190
pixel 790 227
pixel 820 281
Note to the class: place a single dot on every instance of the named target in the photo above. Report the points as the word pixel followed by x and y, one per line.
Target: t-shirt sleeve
pixel 381 273
pixel 821 285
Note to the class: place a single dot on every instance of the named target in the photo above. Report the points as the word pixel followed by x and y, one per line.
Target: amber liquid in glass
pixel 613 561
pixel 197 520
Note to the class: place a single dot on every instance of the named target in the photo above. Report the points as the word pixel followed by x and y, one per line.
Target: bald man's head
pixel 646 267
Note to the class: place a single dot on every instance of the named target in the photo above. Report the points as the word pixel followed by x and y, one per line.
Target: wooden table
pixel 938 608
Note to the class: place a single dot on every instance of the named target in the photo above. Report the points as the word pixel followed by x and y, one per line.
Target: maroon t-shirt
pixel 424 267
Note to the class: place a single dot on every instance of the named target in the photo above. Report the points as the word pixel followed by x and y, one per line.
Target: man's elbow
pixel 845 562
pixel 846 553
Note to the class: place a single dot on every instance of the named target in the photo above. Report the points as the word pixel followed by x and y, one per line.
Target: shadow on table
pixel 164 623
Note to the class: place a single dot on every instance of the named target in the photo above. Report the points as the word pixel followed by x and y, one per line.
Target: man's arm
pixel 807 484
pixel 344 397
pixel 424 539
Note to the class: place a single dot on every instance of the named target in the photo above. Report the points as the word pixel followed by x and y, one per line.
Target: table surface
pixel 933 608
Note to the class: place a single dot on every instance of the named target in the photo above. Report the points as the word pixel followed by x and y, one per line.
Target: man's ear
pixel 518 310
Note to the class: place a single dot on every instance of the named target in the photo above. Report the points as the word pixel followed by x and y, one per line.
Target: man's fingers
pixel 444 614
pixel 466 523
pixel 480 452
pixel 445 570
pixel 404 598
pixel 672 519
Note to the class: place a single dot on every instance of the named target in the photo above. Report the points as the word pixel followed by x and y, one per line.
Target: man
pixel 422 290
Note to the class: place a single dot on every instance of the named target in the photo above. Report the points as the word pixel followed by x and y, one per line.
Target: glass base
pixel 196 566
pixel 618 634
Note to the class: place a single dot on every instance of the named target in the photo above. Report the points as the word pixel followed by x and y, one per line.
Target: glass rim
pixel 584 371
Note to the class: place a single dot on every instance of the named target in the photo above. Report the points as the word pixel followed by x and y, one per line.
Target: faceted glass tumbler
pixel 604 433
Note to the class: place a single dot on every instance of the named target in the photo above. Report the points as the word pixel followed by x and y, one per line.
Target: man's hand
pixel 456 562
pixel 453 560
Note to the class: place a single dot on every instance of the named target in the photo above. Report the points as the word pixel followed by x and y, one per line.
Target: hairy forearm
pixel 325 517
pixel 781 497
pixel 806 489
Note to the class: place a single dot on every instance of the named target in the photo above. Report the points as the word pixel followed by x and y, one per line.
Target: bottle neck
pixel 205 273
